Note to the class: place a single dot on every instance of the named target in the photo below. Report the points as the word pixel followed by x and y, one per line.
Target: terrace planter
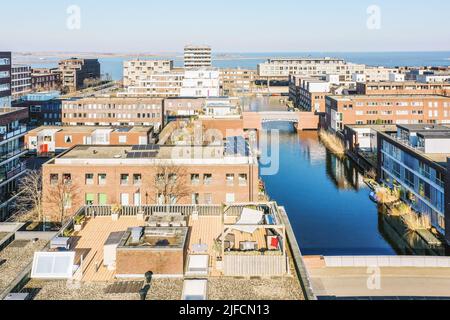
pixel 140 216
pixel 78 227
pixel 115 216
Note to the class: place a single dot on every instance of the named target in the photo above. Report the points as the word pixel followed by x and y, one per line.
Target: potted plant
pixel 78 222
pixel 115 210
pixel 217 247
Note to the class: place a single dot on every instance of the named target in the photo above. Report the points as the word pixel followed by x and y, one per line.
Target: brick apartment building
pixel 50 140
pixel 74 72
pixel 44 108
pixel 44 79
pixel 113 111
pixel 126 175
pixel 386 109
pixel 407 87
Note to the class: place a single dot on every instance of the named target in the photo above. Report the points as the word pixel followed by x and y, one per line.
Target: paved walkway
pixel 351 282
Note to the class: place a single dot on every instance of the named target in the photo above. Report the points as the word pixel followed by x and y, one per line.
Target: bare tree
pixel 28 204
pixel 171 184
pixel 62 196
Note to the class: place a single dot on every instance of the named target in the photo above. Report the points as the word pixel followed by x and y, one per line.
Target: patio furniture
pixel 248 221
pixel 248 246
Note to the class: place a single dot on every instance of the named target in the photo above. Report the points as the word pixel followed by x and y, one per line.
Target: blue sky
pixel 226 25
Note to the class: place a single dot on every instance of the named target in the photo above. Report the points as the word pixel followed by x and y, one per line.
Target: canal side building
pixel 416 161
pixel 113 111
pixel 20 81
pixel 127 175
pixel 386 109
pixel 75 72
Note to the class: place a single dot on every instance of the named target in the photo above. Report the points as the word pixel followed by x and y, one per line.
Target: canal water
pixel 327 200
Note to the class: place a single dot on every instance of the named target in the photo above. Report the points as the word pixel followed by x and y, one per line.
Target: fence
pixel 254 265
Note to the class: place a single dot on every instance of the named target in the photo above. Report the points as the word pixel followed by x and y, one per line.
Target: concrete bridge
pixel 301 120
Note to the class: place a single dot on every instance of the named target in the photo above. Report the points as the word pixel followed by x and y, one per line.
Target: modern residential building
pixel 127 175
pixel 51 140
pixel 204 82
pixel 157 85
pixel 113 111
pixel 386 109
pixel 75 72
pixel 416 161
pixel 377 74
pixel 5 79
pixel 237 81
pixel 12 167
pixel 44 108
pixel 197 57
pixel 407 87
pixel 45 79
pixel 283 67
pixel 180 107
pixel 20 81
pixel 135 71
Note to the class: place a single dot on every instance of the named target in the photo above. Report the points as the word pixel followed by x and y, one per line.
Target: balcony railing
pixel 13 172
pixel 13 134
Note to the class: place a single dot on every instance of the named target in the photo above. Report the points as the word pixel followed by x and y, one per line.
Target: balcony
pixel 5 176
pixel 6 136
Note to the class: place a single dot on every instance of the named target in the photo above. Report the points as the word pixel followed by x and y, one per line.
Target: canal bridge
pixel 301 120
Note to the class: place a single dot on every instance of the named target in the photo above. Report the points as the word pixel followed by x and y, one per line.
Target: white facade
pixel 201 83
pixel 432 78
pixel 357 77
pixel 197 57
pixel 138 70
pixel 161 85
pixel 309 67
pixel 378 74
pixel 396 77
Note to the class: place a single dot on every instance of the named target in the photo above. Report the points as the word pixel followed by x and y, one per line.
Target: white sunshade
pixel 195 290
pixel 249 218
pixel 53 265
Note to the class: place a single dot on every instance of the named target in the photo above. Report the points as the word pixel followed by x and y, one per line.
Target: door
pixel 124 199
pixel 137 199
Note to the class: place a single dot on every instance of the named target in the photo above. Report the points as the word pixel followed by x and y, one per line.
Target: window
pixel 90 199
pixel 195 179
pixel 124 199
pixel 68 139
pixel 137 199
pixel 243 179
pixel 208 198
pixel 207 179
pixel 230 198
pixel 124 179
pixel 195 198
pixel 67 178
pixel 122 139
pixel 54 177
pixel 137 179
pixel 102 199
pixel 102 179
pixel 230 179
pixel 89 179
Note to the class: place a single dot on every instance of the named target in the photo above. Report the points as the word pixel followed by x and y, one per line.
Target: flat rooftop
pixel 5 111
pixel 424 127
pixel 16 257
pixel 387 96
pixel 376 127
pixel 90 129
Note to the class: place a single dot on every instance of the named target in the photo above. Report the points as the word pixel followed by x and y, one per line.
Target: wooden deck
pixel 90 241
